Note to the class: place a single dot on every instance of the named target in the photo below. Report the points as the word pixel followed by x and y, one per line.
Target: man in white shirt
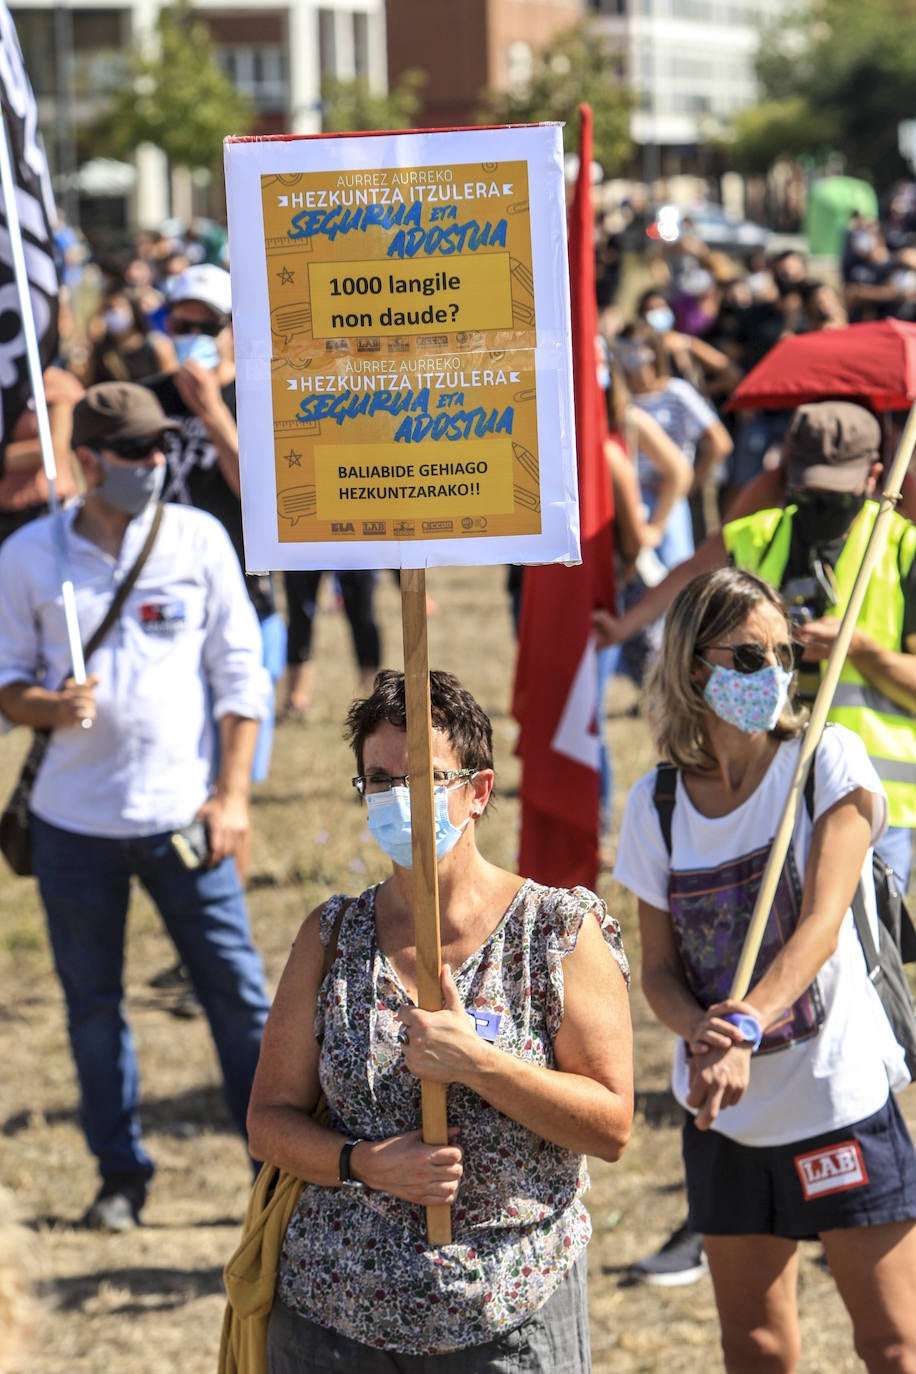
pixel 172 700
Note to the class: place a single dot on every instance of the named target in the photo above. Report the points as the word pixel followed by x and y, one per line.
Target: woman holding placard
pixel 793 1131
pixel 534 1042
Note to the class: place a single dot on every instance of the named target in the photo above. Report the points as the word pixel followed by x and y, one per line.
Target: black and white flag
pixel 35 203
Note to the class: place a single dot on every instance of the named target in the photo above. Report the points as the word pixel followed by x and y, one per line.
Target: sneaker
pixel 118 1204
pixel 681 1260
pixel 176 976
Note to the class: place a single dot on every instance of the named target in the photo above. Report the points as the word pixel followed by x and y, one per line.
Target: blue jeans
pixel 84 882
pixel 273 654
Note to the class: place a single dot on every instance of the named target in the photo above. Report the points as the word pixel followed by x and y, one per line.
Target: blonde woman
pixel 791 1131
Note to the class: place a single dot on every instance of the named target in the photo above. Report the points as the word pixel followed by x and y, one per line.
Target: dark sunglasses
pixel 208 327
pixel 137 450
pixel 827 500
pixel 750 658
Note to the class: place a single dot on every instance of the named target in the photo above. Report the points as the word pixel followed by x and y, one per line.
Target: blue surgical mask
pixel 661 319
pixel 118 322
pixel 131 488
pixel 389 824
pixel 198 348
pixel 751 701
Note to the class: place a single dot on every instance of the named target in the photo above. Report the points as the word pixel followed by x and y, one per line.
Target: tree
pixel 778 129
pixel 580 67
pixel 352 107
pixel 178 99
pixel 851 66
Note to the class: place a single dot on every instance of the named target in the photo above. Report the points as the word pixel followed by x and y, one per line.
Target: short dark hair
pixel 452 710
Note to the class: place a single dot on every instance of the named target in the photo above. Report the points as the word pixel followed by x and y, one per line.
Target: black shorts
pixel 859 1175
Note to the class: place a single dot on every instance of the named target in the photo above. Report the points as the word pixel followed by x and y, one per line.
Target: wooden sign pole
pixel 425 883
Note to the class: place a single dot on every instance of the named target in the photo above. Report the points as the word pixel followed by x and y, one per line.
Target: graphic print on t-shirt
pixel 710 912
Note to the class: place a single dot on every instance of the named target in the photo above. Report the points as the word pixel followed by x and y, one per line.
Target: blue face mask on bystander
pixel 198 348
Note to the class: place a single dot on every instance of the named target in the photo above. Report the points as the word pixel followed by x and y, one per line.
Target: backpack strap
pixel 809 789
pixel 663 796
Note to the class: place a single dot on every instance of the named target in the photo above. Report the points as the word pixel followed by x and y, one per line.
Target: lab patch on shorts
pixel 162 617
pixel 833 1169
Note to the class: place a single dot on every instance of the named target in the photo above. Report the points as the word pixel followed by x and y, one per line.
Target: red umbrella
pixel 873 363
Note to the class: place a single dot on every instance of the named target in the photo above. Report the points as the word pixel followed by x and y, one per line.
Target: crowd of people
pixel 750 527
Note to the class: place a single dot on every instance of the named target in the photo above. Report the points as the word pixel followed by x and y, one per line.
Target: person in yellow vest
pixel 811 549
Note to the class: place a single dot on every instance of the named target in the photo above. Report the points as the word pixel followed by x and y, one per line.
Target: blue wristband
pixel 750 1028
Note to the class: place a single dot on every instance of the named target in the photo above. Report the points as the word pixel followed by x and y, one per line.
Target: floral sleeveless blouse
pixel 359 1262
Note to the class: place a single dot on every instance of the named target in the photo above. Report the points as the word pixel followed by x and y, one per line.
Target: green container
pixel 830 203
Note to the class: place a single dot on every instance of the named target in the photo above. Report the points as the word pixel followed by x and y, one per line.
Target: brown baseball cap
pixel 115 412
pixel 831 444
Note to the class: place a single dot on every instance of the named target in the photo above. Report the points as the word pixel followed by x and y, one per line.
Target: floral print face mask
pixel 751 701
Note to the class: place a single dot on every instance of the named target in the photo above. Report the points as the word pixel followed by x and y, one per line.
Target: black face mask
pixel 824 517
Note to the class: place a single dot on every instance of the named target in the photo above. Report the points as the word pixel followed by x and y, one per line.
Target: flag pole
pixel 822 703
pixel 33 357
pixel 425 881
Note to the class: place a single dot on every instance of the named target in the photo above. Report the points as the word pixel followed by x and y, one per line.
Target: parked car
pixel 710 224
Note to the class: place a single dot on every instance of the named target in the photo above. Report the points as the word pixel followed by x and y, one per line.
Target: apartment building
pixel 691 63
pixel 276 51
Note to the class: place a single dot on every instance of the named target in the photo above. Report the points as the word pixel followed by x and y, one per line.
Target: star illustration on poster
pixel 293 459
pixel 286 277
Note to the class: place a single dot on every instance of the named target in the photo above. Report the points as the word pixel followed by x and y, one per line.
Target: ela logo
pixel 831 1170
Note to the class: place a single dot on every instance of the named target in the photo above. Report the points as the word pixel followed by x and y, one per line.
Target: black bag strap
pixel 863 930
pixel 126 587
pixel 110 616
pixel 663 795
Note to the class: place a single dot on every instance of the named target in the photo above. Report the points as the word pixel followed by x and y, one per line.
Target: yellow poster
pixel 406 448
pixel 408 345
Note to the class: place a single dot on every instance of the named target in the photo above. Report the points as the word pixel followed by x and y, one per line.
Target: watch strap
pixel 343 1168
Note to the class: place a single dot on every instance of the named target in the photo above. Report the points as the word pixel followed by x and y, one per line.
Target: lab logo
pixel 831 1170
pixel 342 527
pixel 373 528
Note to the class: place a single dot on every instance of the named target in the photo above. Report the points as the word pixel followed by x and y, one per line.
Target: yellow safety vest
pixel 761 542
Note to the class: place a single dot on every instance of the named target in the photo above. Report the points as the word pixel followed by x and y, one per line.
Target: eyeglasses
pixel 136 450
pixel 828 500
pixel 374 783
pixel 750 658
pixel 209 327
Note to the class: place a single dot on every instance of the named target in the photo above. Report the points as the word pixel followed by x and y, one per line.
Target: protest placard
pixel 401 319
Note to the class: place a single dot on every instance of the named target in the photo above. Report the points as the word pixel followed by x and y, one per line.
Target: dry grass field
pixel 150 1302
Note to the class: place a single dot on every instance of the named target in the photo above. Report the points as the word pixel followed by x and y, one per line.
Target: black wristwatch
pixel 343 1168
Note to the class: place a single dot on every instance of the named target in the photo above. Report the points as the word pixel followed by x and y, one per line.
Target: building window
pixel 519 65
pixel 261 73
pixel 361 43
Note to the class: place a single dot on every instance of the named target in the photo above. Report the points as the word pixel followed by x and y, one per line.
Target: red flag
pixel 556 680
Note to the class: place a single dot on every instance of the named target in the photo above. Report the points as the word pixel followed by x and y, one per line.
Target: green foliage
pixel 779 128
pixel 579 67
pixel 351 107
pixel 852 68
pixel 179 99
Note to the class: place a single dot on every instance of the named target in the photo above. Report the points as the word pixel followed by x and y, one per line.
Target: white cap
pixel 205 283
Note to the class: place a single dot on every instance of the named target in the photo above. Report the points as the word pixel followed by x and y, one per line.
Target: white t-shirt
pixel 684 416
pixel 839 1053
